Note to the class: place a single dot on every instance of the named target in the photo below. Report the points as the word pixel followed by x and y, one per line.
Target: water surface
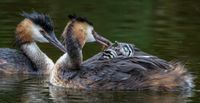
pixel 165 28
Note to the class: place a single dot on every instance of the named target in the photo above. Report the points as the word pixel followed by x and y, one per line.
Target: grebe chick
pixel 138 72
pixel 35 27
pixel 118 50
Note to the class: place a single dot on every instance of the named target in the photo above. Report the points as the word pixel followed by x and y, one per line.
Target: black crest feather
pixel 79 18
pixel 40 19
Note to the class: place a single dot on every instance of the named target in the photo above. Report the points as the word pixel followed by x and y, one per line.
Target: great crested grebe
pixel 127 67
pixel 36 27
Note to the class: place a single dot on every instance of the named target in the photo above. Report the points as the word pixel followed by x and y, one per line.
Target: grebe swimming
pixel 36 27
pixel 124 69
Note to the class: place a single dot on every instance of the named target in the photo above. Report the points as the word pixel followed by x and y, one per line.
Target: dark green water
pixel 166 28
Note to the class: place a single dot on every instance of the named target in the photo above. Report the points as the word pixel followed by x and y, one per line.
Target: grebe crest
pixel 36 27
pixel 81 30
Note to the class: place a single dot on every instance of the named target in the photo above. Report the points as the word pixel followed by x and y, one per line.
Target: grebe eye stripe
pixel 110 56
pixel 112 52
pixel 106 56
pixel 131 47
pixel 109 53
pixel 129 54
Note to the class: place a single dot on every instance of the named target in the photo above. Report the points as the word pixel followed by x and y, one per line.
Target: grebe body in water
pixel 124 69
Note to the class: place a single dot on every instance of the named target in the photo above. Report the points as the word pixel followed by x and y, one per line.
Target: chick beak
pixel 54 41
pixel 100 39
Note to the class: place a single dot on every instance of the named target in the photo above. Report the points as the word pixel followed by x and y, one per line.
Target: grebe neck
pixel 74 53
pixel 42 62
pixel 71 60
pixel 74 48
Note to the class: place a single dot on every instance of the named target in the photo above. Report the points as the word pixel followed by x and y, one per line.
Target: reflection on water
pixel 166 28
pixel 62 95
pixel 36 89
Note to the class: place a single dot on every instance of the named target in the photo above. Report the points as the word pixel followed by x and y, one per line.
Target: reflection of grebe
pixel 139 72
pixel 34 28
pixel 61 95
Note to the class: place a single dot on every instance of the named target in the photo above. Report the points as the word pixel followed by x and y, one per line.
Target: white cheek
pixel 90 37
pixel 37 36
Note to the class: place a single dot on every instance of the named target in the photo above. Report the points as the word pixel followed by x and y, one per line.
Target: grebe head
pixel 37 27
pixel 82 30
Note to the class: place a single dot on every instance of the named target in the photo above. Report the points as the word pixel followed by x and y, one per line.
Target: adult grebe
pixel 35 27
pixel 123 71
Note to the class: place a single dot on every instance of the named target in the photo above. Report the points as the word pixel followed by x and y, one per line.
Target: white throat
pixel 42 62
pixel 61 63
pixel 90 37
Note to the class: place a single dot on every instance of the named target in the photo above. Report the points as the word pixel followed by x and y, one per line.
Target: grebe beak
pixel 53 40
pixel 102 40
